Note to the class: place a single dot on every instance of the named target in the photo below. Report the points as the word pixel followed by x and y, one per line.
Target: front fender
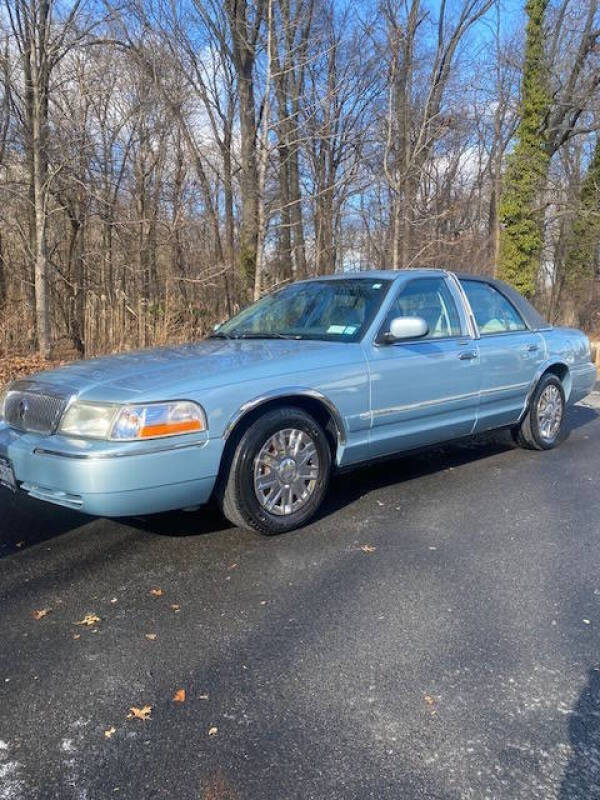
pixel 289 393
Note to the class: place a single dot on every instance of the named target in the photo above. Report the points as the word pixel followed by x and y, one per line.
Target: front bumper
pixel 113 479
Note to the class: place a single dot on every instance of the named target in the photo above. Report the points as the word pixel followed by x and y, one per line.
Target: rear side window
pixel 430 299
pixel 493 312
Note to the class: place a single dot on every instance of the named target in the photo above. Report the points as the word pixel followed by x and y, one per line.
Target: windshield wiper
pixel 221 335
pixel 267 336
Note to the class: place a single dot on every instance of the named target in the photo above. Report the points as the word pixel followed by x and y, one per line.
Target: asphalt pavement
pixel 434 634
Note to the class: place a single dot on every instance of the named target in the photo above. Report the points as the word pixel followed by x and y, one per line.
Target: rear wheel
pixel 278 474
pixel 542 426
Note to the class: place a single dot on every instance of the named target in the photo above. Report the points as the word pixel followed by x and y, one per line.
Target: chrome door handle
pixel 467 355
pixel 532 348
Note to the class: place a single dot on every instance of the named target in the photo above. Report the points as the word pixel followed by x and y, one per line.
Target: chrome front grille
pixel 35 410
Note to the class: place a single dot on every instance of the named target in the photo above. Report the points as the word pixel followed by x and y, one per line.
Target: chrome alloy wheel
pixel 286 471
pixel 549 412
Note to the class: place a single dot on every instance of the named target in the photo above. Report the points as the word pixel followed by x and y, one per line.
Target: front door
pixel 425 390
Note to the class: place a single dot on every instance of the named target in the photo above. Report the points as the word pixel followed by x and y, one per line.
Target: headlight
pixel 82 419
pixel 129 423
pixel 158 419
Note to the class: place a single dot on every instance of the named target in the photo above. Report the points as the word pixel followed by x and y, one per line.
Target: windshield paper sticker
pixel 347 330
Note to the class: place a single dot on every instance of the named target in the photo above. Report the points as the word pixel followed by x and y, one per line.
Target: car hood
pixel 178 372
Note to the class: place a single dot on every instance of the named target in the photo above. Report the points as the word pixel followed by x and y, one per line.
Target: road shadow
pixel 178 524
pixel 581 780
pixel 347 487
pixel 580 415
pixel 25 522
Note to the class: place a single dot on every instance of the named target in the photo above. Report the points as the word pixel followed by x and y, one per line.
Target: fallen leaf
pixel 77 636
pixel 89 620
pixel 40 613
pixel 213 731
pixel 140 713
pixel 157 592
pixel 263 602
pixel 430 704
pixel 379 503
pixel 20 544
pixel 109 732
pixel 175 607
pixel 114 600
pixel 179 696
pixel 231 566
pixel 151 636
pixel 368 548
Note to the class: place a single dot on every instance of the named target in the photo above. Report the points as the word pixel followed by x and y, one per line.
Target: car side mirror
pixel 406 328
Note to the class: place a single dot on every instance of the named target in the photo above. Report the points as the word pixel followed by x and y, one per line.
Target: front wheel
pixel 542 426
pixel 278 474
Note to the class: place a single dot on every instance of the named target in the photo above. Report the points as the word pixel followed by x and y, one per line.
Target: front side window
pixel 492 311
pixel 332 310
pixel 430 299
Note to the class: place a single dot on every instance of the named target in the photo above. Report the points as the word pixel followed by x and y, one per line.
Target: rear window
pixel 492 311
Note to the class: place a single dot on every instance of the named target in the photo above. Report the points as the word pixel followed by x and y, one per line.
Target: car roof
pixel 387 274
pixel 533 319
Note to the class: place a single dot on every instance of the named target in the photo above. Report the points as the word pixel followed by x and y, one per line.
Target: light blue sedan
pixel 319 376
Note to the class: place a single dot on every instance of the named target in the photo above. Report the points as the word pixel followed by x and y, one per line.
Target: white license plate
pixel 7 475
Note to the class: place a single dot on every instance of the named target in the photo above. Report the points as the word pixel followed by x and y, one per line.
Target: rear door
pixel 509 354
pixel 425 390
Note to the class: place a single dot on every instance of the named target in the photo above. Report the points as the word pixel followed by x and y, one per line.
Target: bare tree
pixel 161 163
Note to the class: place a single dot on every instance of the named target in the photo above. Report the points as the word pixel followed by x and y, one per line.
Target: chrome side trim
pixel 381 412
pixel 583 369
pixel 452 399
pixel 44 451
pixel 282 394
pixel 505 388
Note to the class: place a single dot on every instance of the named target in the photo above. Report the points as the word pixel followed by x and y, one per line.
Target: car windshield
pixel 333 310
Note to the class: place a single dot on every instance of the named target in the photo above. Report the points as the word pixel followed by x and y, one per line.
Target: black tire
pixel 529 433
pixel 236 492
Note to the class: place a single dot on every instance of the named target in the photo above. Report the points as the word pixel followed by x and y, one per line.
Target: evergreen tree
pixel 521 218
pixel 584 241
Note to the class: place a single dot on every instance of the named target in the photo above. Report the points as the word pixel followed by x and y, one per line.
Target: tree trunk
pixel 42 307
pixel 36 92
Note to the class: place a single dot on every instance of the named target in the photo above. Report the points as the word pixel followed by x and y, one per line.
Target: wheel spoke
pixel 308 473
pixel 273 498
pixel 267 460
pixel 306 454
pixel 264 482
pixel 287 500
pixel 297 443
